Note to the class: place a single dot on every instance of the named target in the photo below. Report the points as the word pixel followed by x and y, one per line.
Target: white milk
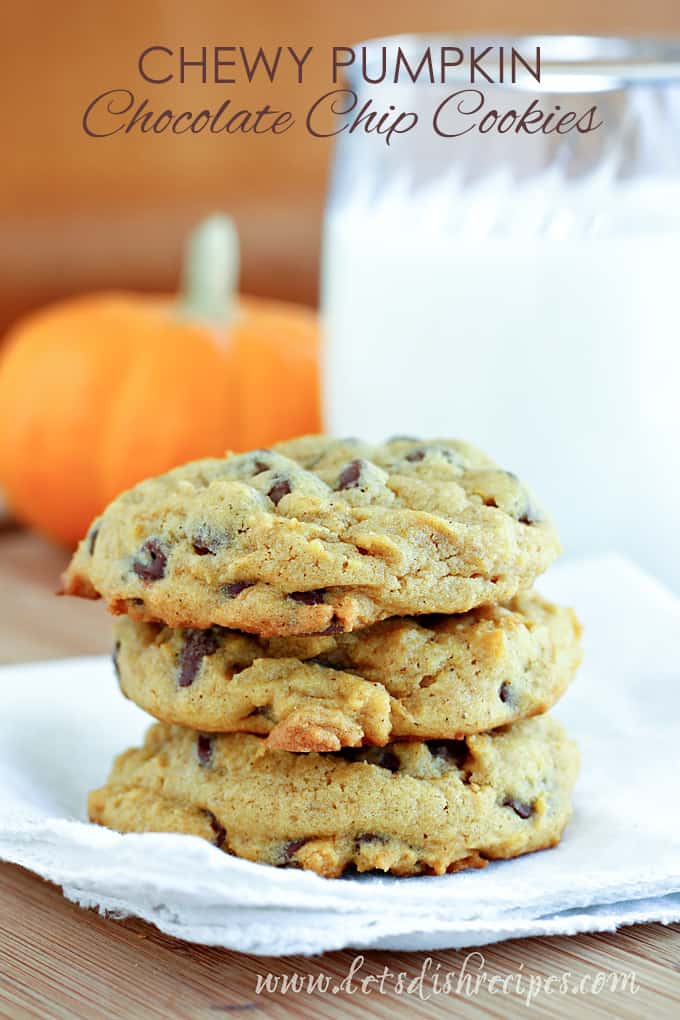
pixel 545 330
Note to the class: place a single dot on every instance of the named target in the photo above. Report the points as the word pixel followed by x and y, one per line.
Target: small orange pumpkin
pixel 103 390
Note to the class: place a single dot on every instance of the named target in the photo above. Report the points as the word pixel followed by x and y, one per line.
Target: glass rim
pixel 589 62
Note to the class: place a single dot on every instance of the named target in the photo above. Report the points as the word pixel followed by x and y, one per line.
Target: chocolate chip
pixel 519 807
pixel 204 750
pixel 453 752
pixel 290 849
pixel 350 475
pixel 259 464
pixel 279 490
pixel 415 456
pixel 202 550
pixel 235 588
pixel 197 644
pixel 136 602
pixel 219 830
pixel 530 515
pixel 308 598
pixel 206 542
pixel 93 540
pixel 504 691
pixel 155 559
pixel 114 659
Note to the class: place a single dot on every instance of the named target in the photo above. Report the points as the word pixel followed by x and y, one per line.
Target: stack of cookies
pixel 344 651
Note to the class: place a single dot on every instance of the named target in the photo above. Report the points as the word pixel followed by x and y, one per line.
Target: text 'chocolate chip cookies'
pixel 341 643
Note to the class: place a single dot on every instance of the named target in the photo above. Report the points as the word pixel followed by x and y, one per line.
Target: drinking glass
pixel 520 290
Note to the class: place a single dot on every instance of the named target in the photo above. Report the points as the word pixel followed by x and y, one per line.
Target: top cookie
pixel 316 536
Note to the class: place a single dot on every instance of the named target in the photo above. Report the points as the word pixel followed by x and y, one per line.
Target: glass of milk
pixel 521 291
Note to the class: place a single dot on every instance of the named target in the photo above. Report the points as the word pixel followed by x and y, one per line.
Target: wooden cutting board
pixel 59 962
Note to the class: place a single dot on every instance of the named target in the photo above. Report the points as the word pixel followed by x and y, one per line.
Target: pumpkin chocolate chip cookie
pixel 409 808
pixel 416 678
pixel 316 536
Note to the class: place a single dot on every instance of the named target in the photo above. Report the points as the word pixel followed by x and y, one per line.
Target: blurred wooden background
pixel 78 213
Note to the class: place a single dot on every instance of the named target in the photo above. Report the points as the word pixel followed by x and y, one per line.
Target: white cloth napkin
pixel 619 862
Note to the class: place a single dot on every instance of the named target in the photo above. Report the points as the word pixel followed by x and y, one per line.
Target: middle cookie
pixel 424 678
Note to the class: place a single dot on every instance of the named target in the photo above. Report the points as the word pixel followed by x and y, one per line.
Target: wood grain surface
pixel 59 961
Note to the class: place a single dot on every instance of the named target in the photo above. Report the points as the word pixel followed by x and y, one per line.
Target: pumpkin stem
pixel 211 271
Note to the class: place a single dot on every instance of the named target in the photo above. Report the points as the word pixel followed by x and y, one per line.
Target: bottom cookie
pixel 408 808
